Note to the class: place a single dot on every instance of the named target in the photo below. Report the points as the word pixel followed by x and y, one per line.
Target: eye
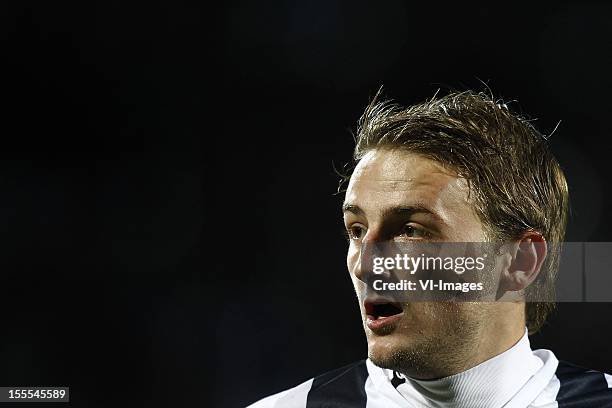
pixel 355 231
pixel 414 232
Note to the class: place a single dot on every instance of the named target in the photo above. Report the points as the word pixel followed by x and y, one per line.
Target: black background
pixel 170 232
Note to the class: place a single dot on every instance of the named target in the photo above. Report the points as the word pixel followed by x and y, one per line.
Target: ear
pixel 527 257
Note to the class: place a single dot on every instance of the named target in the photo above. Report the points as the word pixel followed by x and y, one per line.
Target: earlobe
pixel 528 256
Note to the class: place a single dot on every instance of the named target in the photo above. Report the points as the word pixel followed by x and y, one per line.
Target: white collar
pixel 490 384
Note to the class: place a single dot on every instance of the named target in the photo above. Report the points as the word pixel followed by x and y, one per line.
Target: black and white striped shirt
pixel 517 378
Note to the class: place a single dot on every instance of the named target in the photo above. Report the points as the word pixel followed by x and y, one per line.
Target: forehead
pixel 385 178
pixel 391 170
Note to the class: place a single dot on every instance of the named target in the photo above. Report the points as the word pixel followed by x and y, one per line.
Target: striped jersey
pixel 518 378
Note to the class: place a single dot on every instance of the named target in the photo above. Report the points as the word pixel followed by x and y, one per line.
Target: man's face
pixel 396 195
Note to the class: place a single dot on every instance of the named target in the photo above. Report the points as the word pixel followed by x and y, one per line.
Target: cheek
pixel 429 316
pixel 352 259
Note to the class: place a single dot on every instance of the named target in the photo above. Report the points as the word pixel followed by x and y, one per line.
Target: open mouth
pixel 382 309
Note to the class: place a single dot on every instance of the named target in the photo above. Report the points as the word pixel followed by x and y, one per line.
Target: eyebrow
pixel 397 210
pixel 346 207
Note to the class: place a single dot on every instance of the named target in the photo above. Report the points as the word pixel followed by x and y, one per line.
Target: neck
pixel 489 384
pixel 495 338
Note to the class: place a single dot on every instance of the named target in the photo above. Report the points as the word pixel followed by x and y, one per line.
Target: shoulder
pixel 345 385
pixel 292 398
pixel 581 387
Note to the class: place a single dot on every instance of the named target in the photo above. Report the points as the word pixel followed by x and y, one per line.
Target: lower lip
pixel 382 322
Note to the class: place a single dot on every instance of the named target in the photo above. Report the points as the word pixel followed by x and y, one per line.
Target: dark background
pixel 166 179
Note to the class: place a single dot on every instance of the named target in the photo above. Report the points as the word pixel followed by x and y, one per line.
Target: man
pixel 461 168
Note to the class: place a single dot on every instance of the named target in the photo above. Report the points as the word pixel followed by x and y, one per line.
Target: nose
pixel 372 247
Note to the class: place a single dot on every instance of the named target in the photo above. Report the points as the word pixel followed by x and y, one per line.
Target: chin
pixel 384 351
pixel 403 353
pixel 382 354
